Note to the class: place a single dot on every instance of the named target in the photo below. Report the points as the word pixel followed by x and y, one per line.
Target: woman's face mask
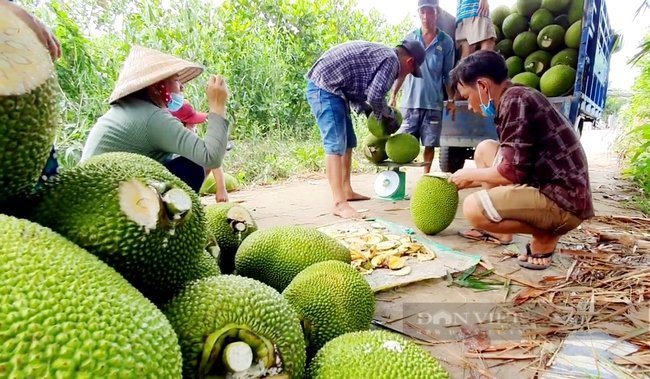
pixel 176 102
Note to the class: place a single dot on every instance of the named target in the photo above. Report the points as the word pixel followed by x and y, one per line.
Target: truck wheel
pixel 452 158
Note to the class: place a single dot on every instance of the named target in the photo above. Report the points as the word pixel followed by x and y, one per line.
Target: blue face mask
pixel 488 110
pixel 176 102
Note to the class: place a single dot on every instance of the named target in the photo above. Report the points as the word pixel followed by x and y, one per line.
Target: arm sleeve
pixel 380 86
pixel 167 133
pixel 517 140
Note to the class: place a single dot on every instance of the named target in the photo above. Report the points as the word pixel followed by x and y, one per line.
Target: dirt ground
pixel 307 202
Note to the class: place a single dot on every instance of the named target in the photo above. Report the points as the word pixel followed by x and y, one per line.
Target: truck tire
pixel 452 158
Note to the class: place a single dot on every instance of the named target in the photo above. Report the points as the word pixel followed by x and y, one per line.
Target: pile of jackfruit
pixel 114 268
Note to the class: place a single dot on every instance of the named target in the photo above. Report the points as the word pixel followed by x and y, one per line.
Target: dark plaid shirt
pixel 540 148
pixel 358 71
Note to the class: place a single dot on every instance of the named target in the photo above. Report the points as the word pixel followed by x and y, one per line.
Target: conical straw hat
pixel 144 67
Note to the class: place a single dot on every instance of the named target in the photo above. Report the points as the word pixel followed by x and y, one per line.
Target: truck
pixel 461 134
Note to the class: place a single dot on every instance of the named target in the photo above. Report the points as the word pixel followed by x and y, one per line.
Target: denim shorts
pixel 333 119
pixel 424 124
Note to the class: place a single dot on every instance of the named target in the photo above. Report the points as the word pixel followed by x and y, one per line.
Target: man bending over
pixel 535 179
pixel 355 74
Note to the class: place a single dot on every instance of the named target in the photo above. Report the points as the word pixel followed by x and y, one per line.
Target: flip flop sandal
pixel 485 237
pixel 533 266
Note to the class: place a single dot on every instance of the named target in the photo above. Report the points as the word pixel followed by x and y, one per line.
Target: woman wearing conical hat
pixel 149 87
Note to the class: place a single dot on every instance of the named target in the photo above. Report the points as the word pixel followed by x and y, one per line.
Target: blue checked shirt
pixel 467 9
pixel 359 72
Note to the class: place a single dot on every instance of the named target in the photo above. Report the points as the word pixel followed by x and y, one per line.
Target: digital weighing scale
pixel 391 184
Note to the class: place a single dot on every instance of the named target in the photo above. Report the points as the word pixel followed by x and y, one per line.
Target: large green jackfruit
pixel 434 204
pixel 231 323
pixel 229 224
pixel 402 148
pixel 332 298
pixel 66 314
pixel 29 111
pixel 376 354
pixel 208 265
pixel 132 213
pixel 277 254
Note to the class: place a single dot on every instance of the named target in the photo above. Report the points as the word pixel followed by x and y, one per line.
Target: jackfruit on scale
pixel 66 314
pixel 228 224
pixel 376 354
pixel 230 326
pixel 277 254
pixel 29 111
pixel 331 298
pixel 132 213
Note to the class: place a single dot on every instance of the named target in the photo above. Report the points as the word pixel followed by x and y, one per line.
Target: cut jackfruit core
pixel 24 62
pixel 239 219
pixel 537 67
pixel 145 205
pixel 237 349
pixel 546 42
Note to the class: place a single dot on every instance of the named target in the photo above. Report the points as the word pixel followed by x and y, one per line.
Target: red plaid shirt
pixel 540 148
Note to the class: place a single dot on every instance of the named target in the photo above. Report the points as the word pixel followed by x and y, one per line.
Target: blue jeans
pixel 333 119
pixel 423 124
pixel 191 173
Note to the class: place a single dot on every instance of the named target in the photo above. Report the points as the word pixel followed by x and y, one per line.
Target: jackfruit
pixel 567 57
pixel 209 185
pixel 402 148
pixel 576 10
pixel 504 47
pixel 29 112
pixel 499 14
pixel 376 354
pixel 133 214
pixel 557 81
pixel 556 7
pixel 524 44
pixel 374 149
pixel 66 314
pixel 331 299
pixel 550 38
pixel 277 254
pixel 541 19
pixel 563 21
pixel 378 129
pixel 528 7
pixel 572 36
pixel 229 224
pixel 538 62
pixel 527 79
pixel 229 323
pixel 434 204
pixel 515 66
pixel 208 265
pixel 514 25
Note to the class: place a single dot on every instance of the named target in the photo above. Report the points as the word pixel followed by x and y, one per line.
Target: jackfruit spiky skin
pixel 29 111
pixel 211 304
pixel 66 314
pixel 331 298
pixel 434 204
pixel 374 354
pixel 226 238
pixel 83 204
pixel 277 254
pixel 402 148
pixel 208 266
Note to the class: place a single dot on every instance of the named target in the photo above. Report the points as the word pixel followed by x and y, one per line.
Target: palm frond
pixel 645 46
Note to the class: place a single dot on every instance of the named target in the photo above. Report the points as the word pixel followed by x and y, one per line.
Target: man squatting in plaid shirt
pixel 355 75
pixel 535 179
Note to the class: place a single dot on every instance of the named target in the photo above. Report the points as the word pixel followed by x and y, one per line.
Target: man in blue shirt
pixel 423 98
pixel 474 27
pixel 357 75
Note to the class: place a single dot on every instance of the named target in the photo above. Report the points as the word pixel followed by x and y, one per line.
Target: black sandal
pixel 533 266
pixel 485 237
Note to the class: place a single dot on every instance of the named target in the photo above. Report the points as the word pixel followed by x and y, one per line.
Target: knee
pixel 486 151
pixel 472 212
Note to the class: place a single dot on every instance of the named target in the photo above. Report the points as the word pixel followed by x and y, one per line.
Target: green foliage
pixel 263 48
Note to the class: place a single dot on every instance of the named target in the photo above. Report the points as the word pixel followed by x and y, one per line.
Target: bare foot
pixel 344 210
pixel 353 196
pixel 535 261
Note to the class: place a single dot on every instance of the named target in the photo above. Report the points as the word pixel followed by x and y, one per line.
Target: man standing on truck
pixel 423 99
pixel 474 27
pixel 355 74
pixel 535 179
